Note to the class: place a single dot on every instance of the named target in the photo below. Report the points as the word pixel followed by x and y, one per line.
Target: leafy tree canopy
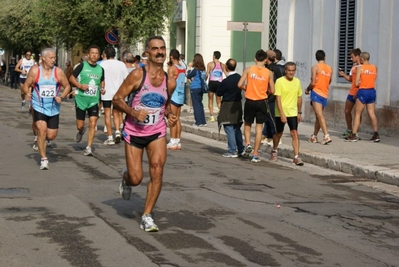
pixel 34 24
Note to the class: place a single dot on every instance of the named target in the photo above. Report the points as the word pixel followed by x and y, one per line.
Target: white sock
pixel 110 137
pixel 177 140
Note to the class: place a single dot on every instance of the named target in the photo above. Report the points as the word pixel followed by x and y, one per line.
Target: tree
pixel 36 24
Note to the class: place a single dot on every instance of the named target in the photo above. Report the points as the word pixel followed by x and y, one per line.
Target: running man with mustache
pixel 148 90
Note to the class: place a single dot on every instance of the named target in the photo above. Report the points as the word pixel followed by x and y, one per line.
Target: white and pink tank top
pixel 152 99
pixel 217 73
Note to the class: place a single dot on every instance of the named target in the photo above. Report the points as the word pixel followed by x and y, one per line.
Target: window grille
pixel 273 24
pixel 346 35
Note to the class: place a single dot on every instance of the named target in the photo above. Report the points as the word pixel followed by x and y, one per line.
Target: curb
pixel 333 162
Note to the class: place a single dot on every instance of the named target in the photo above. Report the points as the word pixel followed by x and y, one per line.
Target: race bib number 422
pixel 47 91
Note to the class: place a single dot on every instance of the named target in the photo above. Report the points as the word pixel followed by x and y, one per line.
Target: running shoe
pixel 247 150
pixel 178 146
pixel 79 135
pixel 346 134
pixel 117 137
pixel 147 224
pixel 48 143
pixel 326 140
pixel 211 119
pixel 105 129
pixel 255 159
pixel 191 111
pixel 88 152
pixel 375 138
pixel 298 161
pixel 109 142
pixel 352 138
pixel 23 103
pixel 230 155
pixel 125 190
pixel 102 110
pixel 263 140
pixel 313 139
pixel 171 146
pixel 35 148
pixel 44 164
pixel 273 156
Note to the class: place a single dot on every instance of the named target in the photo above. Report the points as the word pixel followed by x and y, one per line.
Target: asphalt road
pixel 212 211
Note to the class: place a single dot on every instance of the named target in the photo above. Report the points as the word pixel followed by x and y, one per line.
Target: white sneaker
pixel 147 224
pixel 171 146
pixel 109 142
pixel 105 129
pixel 88 152
pixel 35 148
pixel 44 165
pixel 48 143
pixel 117 137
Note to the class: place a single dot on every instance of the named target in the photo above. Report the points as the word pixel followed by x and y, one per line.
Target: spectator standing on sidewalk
pixel 214 71
pixel 269 128
pixel 259 82
pixel 321 74
pixel 178 72
pixel 351 98
pixel 196 73
pixel 366 76
pixel 228 97
pixel 288 110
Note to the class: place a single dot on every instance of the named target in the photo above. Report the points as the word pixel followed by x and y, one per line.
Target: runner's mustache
pixel 159 55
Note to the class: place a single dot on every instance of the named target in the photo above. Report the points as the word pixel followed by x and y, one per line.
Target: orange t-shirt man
pixel 257 83
pixel 368 77
pixel 323 77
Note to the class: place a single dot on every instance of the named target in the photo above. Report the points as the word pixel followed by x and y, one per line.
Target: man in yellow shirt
pixel 288 110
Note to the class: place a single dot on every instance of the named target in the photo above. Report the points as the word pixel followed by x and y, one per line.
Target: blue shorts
pixel 367 96
pixel 314 97
pixel 350 98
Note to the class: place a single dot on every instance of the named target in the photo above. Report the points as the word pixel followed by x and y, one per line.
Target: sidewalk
pixel 376 161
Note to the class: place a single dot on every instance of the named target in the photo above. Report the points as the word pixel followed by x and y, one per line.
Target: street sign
pixel 111 36
pixel 245 27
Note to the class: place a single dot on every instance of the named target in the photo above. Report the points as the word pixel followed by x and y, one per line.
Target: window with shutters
pixel 346 35
pixel 273 24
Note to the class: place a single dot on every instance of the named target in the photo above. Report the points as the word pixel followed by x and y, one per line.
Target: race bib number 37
pixel 47 91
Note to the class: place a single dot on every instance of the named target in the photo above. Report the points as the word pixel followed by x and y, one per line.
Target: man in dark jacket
pixel 269 128
pixel 230 115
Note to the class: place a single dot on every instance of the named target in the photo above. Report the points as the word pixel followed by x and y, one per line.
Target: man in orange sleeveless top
pixel 319 85
pixel 259 81
pixel 366 76
pixel 351 99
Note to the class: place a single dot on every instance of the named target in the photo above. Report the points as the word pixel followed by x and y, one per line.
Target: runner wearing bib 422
pixel 44 92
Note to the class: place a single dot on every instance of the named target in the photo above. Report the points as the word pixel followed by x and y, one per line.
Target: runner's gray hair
pixel 45 51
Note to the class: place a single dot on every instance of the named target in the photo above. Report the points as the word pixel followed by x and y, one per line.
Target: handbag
pixel 204 86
